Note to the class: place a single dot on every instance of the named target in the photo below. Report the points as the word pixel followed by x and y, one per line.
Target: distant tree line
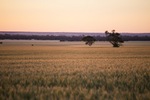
pixel 47 37
pixel 136 38
pixel 68 38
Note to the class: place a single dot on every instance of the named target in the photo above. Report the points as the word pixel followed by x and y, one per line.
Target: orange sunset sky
pixel 75 15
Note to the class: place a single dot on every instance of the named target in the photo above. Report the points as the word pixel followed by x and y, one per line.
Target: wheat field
pixel 68 71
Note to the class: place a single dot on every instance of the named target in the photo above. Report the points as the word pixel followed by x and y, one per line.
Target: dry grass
pixel 74 72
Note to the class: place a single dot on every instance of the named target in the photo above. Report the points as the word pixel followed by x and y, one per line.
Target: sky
pixel 75 15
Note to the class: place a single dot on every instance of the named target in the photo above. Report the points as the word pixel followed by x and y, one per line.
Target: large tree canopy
pixel 114 38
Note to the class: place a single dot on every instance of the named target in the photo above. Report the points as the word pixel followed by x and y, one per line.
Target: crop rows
pixel 74 73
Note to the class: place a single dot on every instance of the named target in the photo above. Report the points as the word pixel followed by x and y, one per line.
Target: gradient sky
pixel 75 15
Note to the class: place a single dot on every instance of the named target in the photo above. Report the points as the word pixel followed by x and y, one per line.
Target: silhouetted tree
pixel 128 37
pixel 89 40
pixel 114 38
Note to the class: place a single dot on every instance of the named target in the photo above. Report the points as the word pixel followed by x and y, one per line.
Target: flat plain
pixel 74 71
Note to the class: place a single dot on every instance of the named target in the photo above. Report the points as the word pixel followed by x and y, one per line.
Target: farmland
pixel 74 71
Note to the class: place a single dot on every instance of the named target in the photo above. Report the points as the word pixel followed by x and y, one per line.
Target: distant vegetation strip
pixel 69 38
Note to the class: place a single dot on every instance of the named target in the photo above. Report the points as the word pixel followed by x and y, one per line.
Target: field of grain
pixel 74 71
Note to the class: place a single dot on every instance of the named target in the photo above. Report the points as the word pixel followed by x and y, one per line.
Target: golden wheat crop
pixel 74 72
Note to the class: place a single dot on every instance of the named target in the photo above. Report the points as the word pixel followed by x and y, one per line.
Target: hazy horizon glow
pixel 75 15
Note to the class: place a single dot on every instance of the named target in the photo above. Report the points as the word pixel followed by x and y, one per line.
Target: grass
pixel 74 72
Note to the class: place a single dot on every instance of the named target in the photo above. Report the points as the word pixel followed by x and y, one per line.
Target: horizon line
pixel 69 32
